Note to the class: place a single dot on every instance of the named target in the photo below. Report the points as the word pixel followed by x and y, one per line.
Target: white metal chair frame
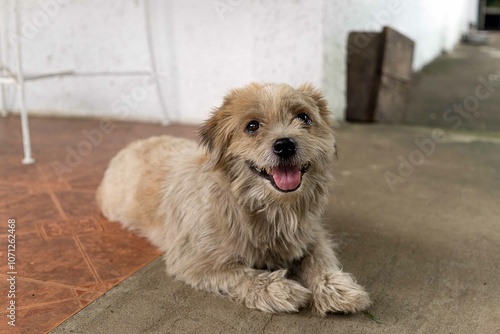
pixel 8 77
pixel 17 79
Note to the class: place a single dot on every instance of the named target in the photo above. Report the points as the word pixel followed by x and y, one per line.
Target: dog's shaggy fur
pixel 241 216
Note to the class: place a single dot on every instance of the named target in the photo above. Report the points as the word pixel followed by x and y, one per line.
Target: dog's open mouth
pixel 285 178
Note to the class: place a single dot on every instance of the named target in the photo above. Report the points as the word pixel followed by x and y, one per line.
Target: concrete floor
pixel 460 90
pixel 427 248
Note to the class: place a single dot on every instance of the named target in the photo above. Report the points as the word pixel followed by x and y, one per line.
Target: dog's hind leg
pixel 268 291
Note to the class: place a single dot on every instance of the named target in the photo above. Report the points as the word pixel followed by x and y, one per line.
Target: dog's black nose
pixel 285 147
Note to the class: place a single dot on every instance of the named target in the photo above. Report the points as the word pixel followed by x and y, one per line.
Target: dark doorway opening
pixel 492 22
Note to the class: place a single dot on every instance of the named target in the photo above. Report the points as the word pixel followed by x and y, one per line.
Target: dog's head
pixel 271 139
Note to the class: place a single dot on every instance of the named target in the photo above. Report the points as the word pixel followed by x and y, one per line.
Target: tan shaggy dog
pixel 241 215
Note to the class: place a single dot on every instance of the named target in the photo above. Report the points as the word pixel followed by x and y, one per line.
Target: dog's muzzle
pixel 284 178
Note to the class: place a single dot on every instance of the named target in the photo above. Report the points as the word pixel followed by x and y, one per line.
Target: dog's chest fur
pixel 275 238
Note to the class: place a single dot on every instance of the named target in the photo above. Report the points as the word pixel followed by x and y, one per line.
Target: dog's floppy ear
pixel 215 135
pixel 317 96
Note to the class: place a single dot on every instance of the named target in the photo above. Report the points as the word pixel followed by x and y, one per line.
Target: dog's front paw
pixel 336 291
pixel 272 292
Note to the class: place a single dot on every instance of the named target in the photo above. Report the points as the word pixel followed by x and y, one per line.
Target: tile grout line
pixel 40 230
pixel 87 259
pixel 29 184
pixel 48 303
pixel 34 280
pixel 15 199
pixel 41 172
pixel 53 196
pixel 57 204
pixel 81 190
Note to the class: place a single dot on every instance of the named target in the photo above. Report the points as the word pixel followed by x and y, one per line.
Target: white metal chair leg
pixel 3 50
pixel 28 159
pixel 3 106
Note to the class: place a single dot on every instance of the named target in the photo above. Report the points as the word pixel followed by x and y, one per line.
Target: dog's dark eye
pixel 252 126
pixel 304 118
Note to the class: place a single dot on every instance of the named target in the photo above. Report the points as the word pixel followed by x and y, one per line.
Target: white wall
pixel 209 49
pixel 202 48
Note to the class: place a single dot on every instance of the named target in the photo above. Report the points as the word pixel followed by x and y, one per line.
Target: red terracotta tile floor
pixel 67 254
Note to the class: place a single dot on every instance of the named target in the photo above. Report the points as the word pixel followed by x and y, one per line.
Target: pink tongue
pixel 286 178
